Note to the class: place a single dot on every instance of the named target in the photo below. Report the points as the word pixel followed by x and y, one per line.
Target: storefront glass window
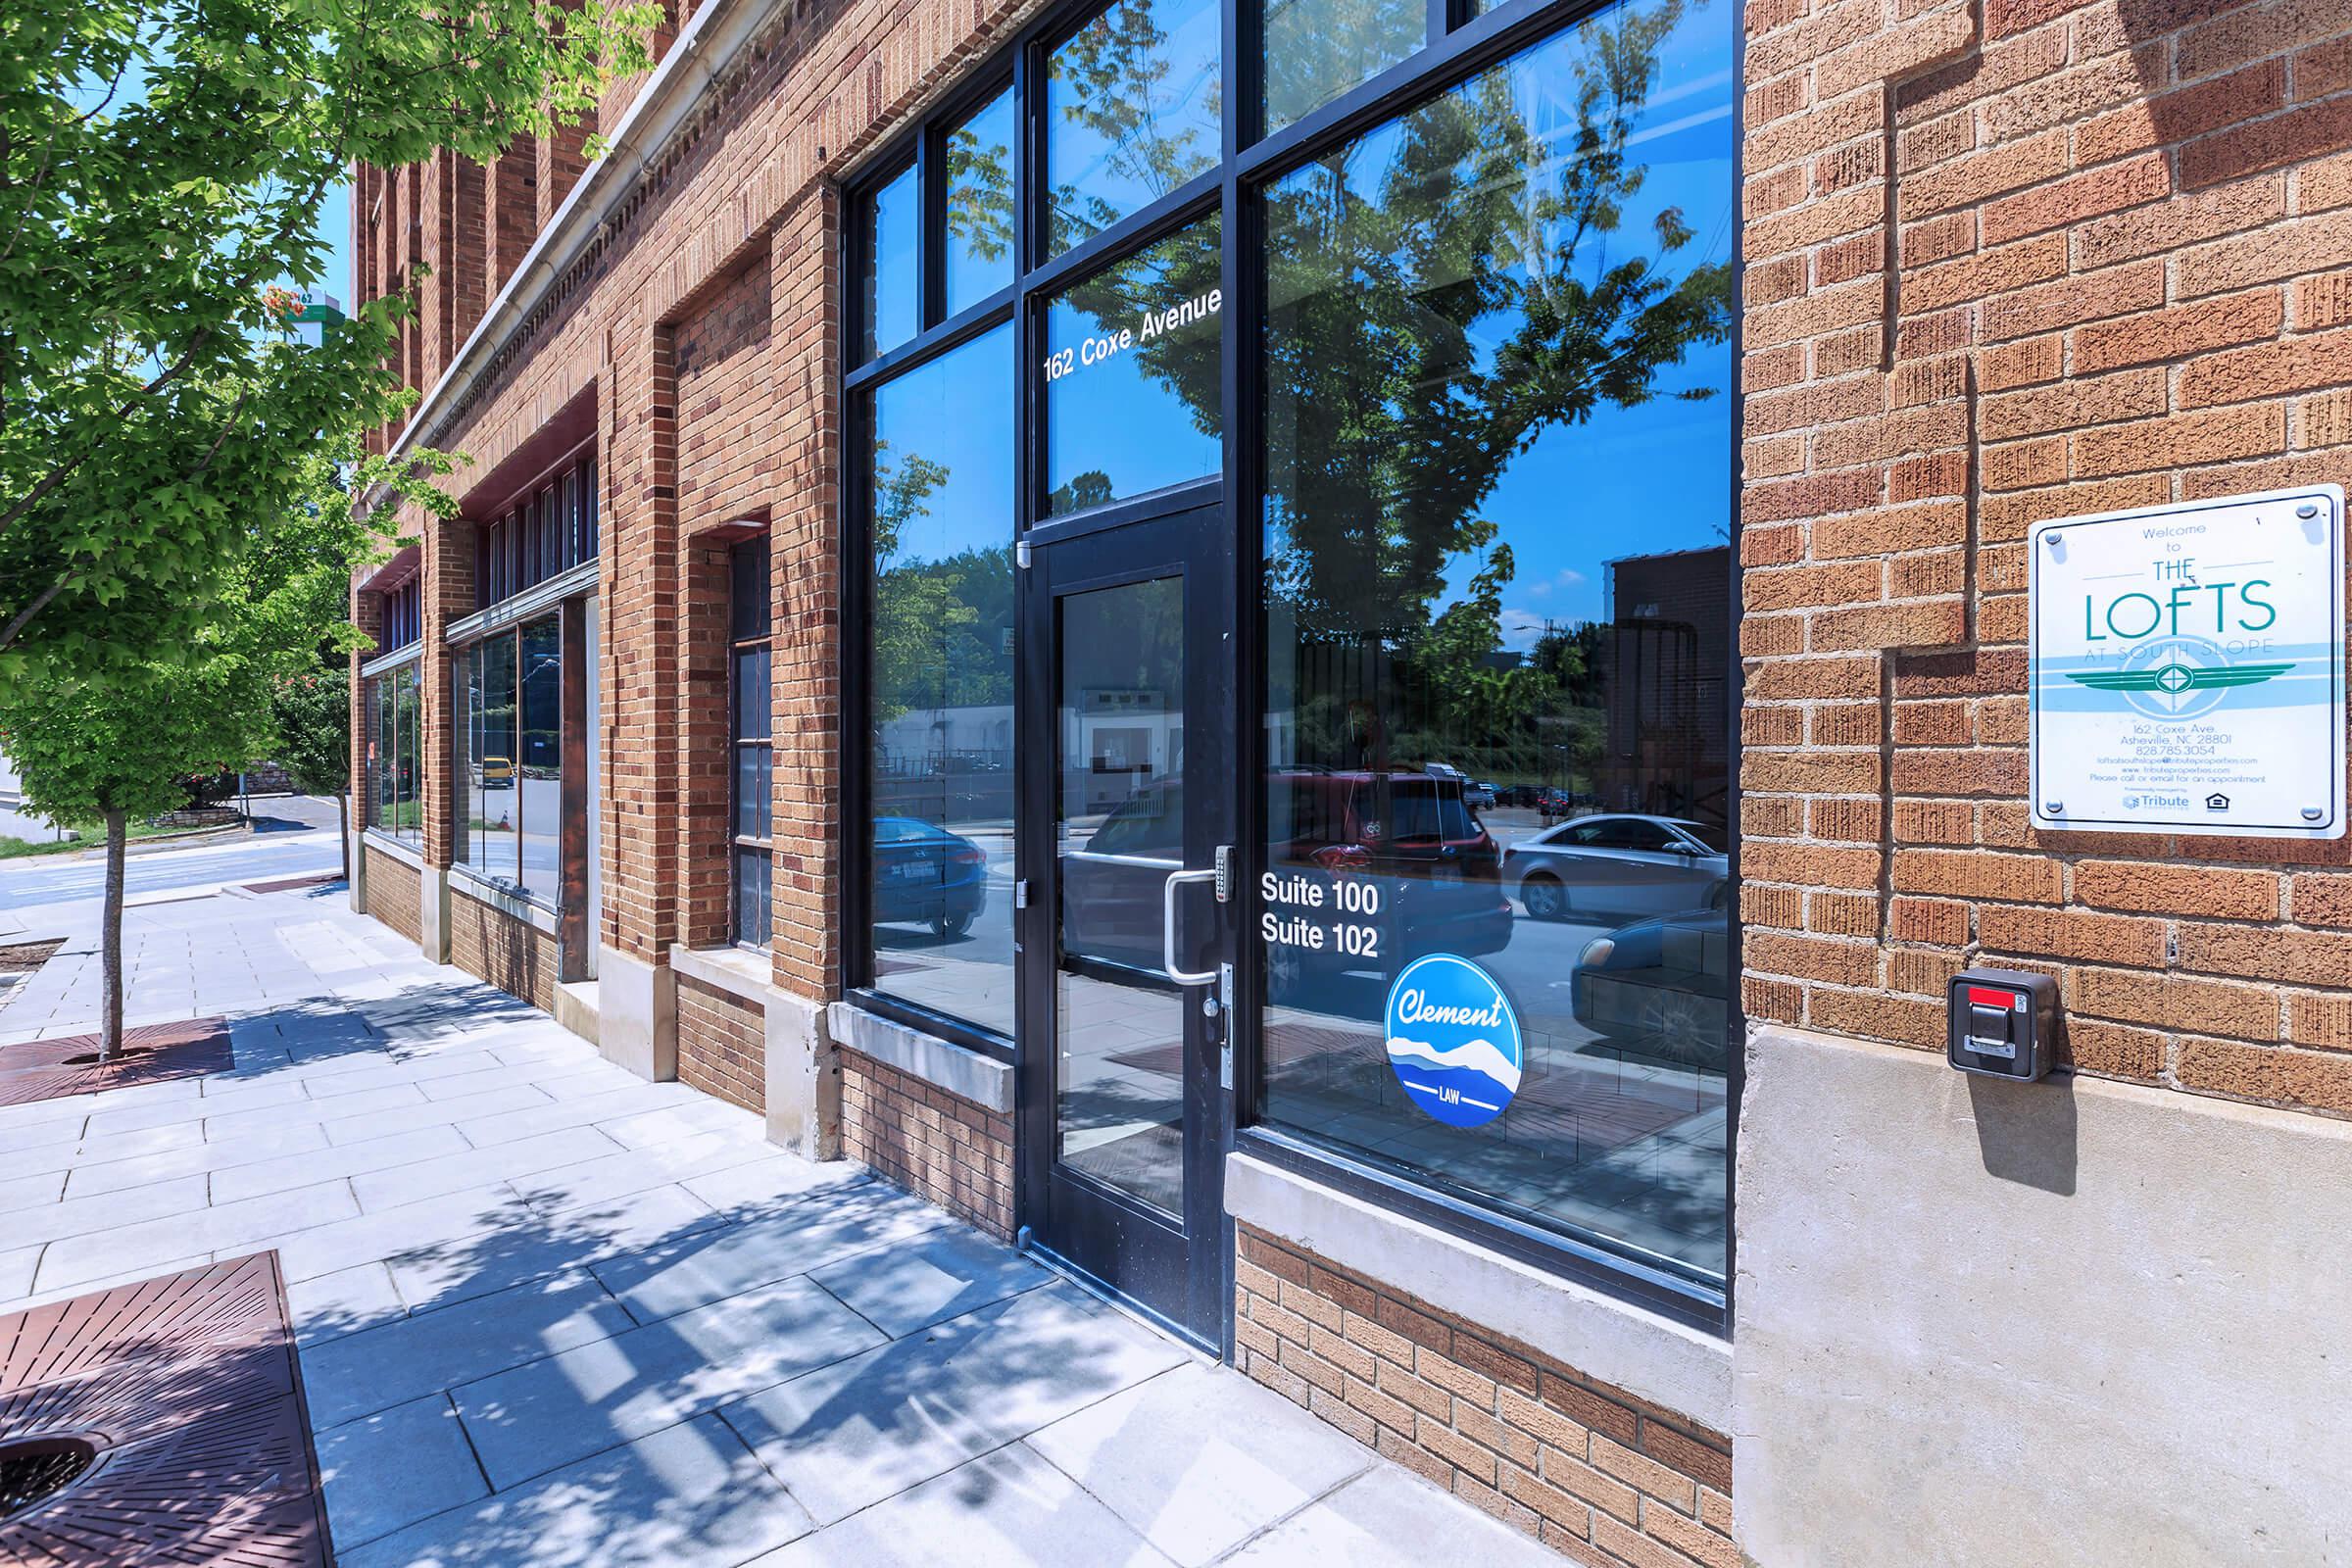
pixel 1133 371
pixel 941 498
pixel 513 758
pixel 979 204
pixel 891 293
pixel 539 769
pixel 1497 626
pixel 395 769
pixel 1315 50
pixel 1132 113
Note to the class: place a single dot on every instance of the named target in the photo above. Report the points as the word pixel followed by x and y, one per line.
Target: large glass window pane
pixel 465 678
pixel 891 290
pixel 1499 629
pixel 1133 373
pixel 979 165
pixel 753 889
pixel 1118 722
pixel 1315 50
pixel 539 785
pixel 940 483
pixel 501 794
pixel 1132 111
pixel 408 815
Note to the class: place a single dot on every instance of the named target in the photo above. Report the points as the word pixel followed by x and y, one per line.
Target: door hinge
pixel 1021 894
pixel 1021 556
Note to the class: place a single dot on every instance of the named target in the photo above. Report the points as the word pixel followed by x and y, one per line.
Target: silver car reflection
pixel 1617 868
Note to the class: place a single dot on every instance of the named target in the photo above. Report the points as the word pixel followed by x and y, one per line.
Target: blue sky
pixel 335 213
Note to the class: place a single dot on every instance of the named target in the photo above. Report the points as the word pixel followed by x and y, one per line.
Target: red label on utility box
pixel 1984 996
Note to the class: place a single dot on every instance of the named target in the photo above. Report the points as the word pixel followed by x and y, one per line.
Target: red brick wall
pixel 2006 263
pixel 945 1150
pixel 1591 1470
pixel 722 1044
pixel 731 235
pixel 512 954
pixel 393 894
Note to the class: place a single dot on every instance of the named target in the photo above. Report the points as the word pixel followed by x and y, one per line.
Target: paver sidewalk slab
pixel 952 1271
pixel 690 1496
pixel 680 1273
pixel 1200 1460
pixel 519 1244
pixel 429 1351
pixel 1391 1518
pixel 1008 1509
pixel 549 1412
pixel 390 1469
pixel 846 1437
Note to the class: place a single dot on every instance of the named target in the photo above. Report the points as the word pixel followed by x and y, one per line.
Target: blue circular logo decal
pixel 1453 1040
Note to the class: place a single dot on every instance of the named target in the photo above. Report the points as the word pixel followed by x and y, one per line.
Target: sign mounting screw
pixel 2309 508
pixel 2312 814
pixel 2053 808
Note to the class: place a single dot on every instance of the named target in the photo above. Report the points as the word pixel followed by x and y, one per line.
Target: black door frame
pixel 1180 1278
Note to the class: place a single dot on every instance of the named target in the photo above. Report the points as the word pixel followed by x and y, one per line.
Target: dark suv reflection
pixel 926 876
pixel 1661 988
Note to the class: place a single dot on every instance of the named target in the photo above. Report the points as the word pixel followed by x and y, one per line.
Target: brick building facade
pixel 859 624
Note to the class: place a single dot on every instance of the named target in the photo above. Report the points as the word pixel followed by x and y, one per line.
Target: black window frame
pixel 1459 42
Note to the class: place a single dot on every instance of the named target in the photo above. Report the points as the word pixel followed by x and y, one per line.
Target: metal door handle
pixel 1167 930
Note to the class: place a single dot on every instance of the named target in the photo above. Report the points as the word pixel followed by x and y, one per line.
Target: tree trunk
pixel 117 833
pixel 343 829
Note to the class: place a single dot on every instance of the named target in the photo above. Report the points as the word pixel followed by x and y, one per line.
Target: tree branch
pixel 39 603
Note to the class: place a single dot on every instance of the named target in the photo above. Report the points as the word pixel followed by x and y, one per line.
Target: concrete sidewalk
pixel 551 1314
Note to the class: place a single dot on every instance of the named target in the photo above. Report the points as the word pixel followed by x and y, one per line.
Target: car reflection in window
pixel 925 875
pixel 1661 988
pixel 1416 836
pixel 1617 868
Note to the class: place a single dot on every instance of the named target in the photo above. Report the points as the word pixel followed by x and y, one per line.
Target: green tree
pixel 162 165
pixel 312 712
pixel 116 749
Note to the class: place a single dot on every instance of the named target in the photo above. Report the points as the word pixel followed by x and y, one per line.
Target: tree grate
pixel 37 1469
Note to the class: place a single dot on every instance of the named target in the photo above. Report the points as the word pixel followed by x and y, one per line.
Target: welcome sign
pixel 2187 667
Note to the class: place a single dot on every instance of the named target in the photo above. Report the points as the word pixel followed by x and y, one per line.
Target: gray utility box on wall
pixel 2004 1023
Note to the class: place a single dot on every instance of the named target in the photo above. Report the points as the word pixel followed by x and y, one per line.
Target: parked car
pixel 1661 988
pixel 1554 803
pixel 1617 867
pixel 1479 795
pixel 926 876
pixel 497 772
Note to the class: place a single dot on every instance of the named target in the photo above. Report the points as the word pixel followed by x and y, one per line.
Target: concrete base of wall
pixel 637 1017
pixel 2070 1322
pixel 432 914
pixel 355 855
pixel 578 1008
pixel 804 1078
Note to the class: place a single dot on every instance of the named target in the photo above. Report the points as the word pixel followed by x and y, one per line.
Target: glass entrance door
pixel 1128 943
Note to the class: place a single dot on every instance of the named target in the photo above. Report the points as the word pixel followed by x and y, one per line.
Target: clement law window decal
pixel 1453 1040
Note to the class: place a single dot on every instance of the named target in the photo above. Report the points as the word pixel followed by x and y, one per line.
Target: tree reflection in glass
pixel 1315 50
pixel 1133 370
pixel 1495 532
pixel 979 204
pixel 942 623
pixel 1133 110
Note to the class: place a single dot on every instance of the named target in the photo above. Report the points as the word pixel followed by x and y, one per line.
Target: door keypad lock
pixel 2003 1024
